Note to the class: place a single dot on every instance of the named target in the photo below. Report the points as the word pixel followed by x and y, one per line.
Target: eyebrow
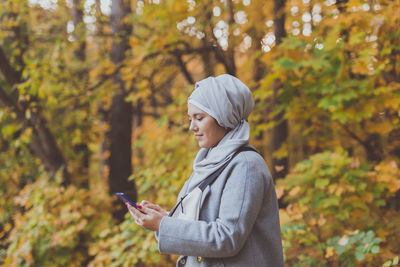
pixel 195 114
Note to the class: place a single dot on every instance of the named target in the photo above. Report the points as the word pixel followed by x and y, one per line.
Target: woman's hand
pixel 147 215
pixel 150 205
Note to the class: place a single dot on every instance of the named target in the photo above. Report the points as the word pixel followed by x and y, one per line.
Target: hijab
pixel 229 102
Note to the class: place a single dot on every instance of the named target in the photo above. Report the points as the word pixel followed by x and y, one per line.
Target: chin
pixel 203 145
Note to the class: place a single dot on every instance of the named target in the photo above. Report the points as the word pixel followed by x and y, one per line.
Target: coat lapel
pixel 206 192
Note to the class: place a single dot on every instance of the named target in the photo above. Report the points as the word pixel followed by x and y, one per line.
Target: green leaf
pixel 340 250
pixel 357 38
pixel 328 103
pixel 286 63
pixel 360 256
pixel 375 249
pixel 321 183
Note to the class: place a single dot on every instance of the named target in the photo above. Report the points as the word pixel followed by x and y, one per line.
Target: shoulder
pixel 251 159
pixel 252 163
pixel 248 171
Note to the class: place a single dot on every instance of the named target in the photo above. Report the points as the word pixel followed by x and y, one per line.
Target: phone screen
pixel 125 199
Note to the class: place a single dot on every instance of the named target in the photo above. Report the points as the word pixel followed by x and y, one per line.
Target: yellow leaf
pixel 367 197
pixel 321 220
pixel 128 76
pixel 339 190
pixel 313 221
pixel 360 68
pixel 294 191
pixel 133 41
pixel 109 70
pixel 279 191
pixel 93 74
pixel 295 211
pixel 283 217
pixel 329 252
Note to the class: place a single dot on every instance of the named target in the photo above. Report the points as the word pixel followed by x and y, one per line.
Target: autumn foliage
pixel 93 101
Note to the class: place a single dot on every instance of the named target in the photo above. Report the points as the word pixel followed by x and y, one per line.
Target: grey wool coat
pixel 238 223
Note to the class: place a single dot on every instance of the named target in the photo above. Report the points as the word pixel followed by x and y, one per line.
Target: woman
pixel 238 221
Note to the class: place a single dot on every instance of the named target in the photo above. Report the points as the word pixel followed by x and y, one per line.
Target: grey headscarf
pixel 229 102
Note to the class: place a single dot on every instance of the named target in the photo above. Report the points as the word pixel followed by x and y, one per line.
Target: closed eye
pixel 196 118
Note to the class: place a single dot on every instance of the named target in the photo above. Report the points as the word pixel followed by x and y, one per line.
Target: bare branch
pixel 184 69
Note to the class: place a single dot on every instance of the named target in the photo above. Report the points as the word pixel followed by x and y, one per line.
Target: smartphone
pixel 125 199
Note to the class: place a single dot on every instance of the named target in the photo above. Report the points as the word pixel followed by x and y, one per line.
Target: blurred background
pixel 93 101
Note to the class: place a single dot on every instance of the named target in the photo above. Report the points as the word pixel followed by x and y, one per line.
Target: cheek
pixel 206 128
pixel 212 133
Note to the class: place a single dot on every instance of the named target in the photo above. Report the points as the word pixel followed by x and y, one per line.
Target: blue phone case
pixel 125 199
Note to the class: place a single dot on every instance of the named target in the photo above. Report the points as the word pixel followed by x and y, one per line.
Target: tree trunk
pixel 259 68
pixel 81 149
pixel 208 61
pixel 207 56
pixel 280 131
pixel 227 58
pixel 120 135
pixel 79 30
pixel 43 144
pixel 230 53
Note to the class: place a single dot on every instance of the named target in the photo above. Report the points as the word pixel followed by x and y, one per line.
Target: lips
pixel 198 136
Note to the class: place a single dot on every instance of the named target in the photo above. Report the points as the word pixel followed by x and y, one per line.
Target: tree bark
pixel 280 131
pixel 120 135
pixel 208 60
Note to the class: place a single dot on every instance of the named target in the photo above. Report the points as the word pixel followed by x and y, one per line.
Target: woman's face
pixel 208 133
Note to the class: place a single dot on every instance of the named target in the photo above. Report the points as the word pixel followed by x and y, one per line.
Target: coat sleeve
pixel 240 204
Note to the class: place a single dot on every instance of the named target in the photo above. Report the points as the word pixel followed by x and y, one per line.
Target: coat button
pixel 199 259
pixel 182 261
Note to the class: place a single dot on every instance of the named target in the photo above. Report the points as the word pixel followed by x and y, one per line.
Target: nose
pixel 193 126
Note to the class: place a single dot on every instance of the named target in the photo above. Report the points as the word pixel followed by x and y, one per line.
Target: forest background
pixel 93 101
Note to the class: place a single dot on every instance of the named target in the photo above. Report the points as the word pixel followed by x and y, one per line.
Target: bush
pixel 335 208
pixel 55 226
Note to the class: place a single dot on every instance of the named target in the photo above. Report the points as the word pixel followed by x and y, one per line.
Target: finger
pixel 153 206
pixel 157 208
pixel 144 202
pixel 139 222
pixel 135 218
pixel 131 212
pixel 137 214
pixel 146 210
